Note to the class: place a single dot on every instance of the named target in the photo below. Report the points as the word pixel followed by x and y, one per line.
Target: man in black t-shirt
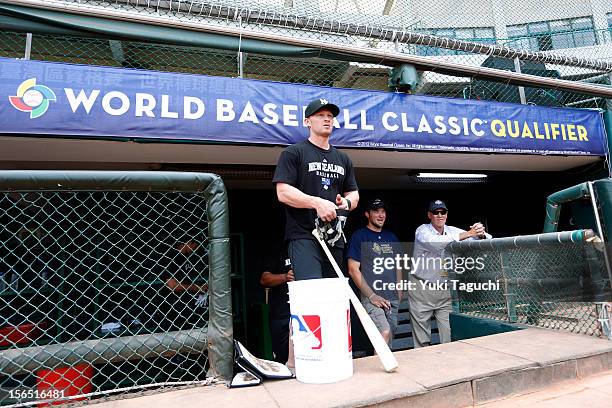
pixel 277 272
pixel 313 179
pixel 186 276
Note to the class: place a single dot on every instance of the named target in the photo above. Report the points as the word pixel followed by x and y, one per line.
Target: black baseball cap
pixel 318 104
pixel 437 205
pixel 375 204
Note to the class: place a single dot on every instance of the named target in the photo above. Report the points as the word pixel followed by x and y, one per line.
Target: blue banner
pixel 88 101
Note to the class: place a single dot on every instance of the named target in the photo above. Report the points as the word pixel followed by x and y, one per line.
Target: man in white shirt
pixel 430 295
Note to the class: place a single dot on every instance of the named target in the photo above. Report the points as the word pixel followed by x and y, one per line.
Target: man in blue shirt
pixel 368 249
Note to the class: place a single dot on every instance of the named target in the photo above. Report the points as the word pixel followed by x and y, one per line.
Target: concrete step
pixel 593 392
pixel 458 374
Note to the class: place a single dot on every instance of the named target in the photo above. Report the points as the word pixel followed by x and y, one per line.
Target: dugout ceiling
pixel 389 168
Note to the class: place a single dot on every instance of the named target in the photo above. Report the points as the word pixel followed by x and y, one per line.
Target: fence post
pixel 454 295
pixel 28 47
pixel 521 90
pixel 509 287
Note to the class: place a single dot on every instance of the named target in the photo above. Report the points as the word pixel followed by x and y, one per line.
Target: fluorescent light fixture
pixel 447 178
pixel 452 175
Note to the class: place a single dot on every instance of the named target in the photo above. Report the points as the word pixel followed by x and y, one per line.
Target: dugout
pixel 108 121
pixel 238 128
pixel 510 201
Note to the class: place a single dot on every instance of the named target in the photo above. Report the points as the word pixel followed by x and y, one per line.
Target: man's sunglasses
pixel 439 212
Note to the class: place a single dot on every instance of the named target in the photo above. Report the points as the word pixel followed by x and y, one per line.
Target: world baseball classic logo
pixel 32 98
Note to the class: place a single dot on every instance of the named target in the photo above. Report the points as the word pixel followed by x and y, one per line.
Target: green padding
pixel 603 192
pixel 27 19
pixel 522 241
pixel 554 201
pixel 77 180
pixel 99 351
pixel 220 330
pixel 8 23
pixel 465 327
pixel 220 327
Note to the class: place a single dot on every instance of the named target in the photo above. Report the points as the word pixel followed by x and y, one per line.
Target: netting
pixel 557 285
pixel 559 39
pixel 102 292
pixel 375 26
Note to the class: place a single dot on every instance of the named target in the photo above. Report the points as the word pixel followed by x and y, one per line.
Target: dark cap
pixel 375 204
pixel 436 205
pixel 318 104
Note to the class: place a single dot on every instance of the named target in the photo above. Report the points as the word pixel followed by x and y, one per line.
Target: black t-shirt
pixel 317 172
pixel 278 296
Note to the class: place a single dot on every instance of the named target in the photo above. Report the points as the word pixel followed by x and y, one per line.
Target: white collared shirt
pixel 429 245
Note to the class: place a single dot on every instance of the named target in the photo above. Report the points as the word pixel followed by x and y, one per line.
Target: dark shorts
pixel 310 262
pixel 279 330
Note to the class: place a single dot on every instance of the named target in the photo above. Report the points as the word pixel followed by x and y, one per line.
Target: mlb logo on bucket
pixel 308 328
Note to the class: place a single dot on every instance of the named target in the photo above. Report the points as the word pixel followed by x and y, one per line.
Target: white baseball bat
pixel 382 349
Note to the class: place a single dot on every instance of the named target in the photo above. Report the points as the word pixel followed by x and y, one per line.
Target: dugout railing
pixel 86 260
pixel 553 280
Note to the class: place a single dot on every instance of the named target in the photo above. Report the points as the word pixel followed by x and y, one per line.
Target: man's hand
pixel 326 210
pixel 172 284
pixel 177 286
pixel 379 301
pixel 341 203
pixel 477 230
pixel 289 277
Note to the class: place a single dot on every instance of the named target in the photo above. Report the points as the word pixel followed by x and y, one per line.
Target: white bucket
pixel 321 330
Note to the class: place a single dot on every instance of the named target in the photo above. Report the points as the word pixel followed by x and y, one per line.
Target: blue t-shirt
pixel 371 248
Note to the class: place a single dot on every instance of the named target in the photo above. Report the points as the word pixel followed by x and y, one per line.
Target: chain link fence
pixel 568 30
pixel 104 283
pixel 581 29
pixel 314 71
pixel 554 280
pixel 193 60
